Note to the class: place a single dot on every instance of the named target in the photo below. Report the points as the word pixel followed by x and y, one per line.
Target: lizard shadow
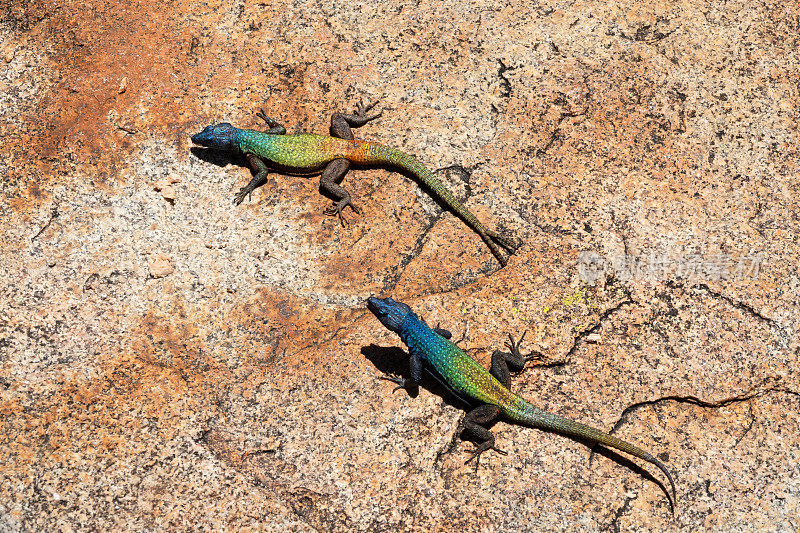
pixel 222 159
pixel 622 460
pixel 218 157
pixel 270 195
pixel 429 191
pixel 393 361
pixel 410 176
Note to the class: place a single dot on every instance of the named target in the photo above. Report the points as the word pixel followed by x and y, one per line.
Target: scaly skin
pixel 308 152
pixel 431 349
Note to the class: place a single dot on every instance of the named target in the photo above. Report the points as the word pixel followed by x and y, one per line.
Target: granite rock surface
pixel 171 362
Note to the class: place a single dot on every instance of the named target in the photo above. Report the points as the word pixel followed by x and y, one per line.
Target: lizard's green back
pixel 308 152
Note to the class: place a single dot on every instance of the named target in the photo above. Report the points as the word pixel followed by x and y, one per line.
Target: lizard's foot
pixel 341 123
pixel 263 116
pixel 481 448
pixel 401 382
pixel 240 196
pixel 361 111
pixel 514 347
pixel 261 177
pixel 337 208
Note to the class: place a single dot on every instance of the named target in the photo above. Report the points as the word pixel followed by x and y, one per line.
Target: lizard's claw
pixel 263 116
pixel 514 345
pixel 401 382
pixel 337 208
pixel 362 109
pixel 476 453
pixel 241 195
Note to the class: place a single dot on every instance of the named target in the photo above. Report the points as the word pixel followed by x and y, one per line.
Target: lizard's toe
pixel 401 382
pixel 337 208
pixel 240 196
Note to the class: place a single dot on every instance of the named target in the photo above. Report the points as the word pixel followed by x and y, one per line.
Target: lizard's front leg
pixel 274 127
pixel 258 165
pixel 412 382
pixel 341 123
pixel 261 170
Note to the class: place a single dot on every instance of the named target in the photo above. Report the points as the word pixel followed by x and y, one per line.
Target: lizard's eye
pixel 223 129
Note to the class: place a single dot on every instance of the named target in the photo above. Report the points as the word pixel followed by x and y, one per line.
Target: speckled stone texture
pixel 171 362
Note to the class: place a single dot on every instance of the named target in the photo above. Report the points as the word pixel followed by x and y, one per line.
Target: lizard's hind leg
pixel 329 183
pixel 472 426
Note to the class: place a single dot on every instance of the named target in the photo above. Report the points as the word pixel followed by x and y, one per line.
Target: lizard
pixel 308 152
pixel 488 392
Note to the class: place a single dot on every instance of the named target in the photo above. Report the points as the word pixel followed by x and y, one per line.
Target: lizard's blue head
pixel 219 136
pixel 390 313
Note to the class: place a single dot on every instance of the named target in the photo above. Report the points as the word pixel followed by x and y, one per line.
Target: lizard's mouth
pixel 374 305
pixel 205 137
pixel 382 308
pixel 220 136
pixel 392 314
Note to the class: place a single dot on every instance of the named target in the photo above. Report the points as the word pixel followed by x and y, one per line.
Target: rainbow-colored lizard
pixel 487 391
pixel 307 152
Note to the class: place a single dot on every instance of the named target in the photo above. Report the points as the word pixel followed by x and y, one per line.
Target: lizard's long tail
pixel 527 414
pixel 376 153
